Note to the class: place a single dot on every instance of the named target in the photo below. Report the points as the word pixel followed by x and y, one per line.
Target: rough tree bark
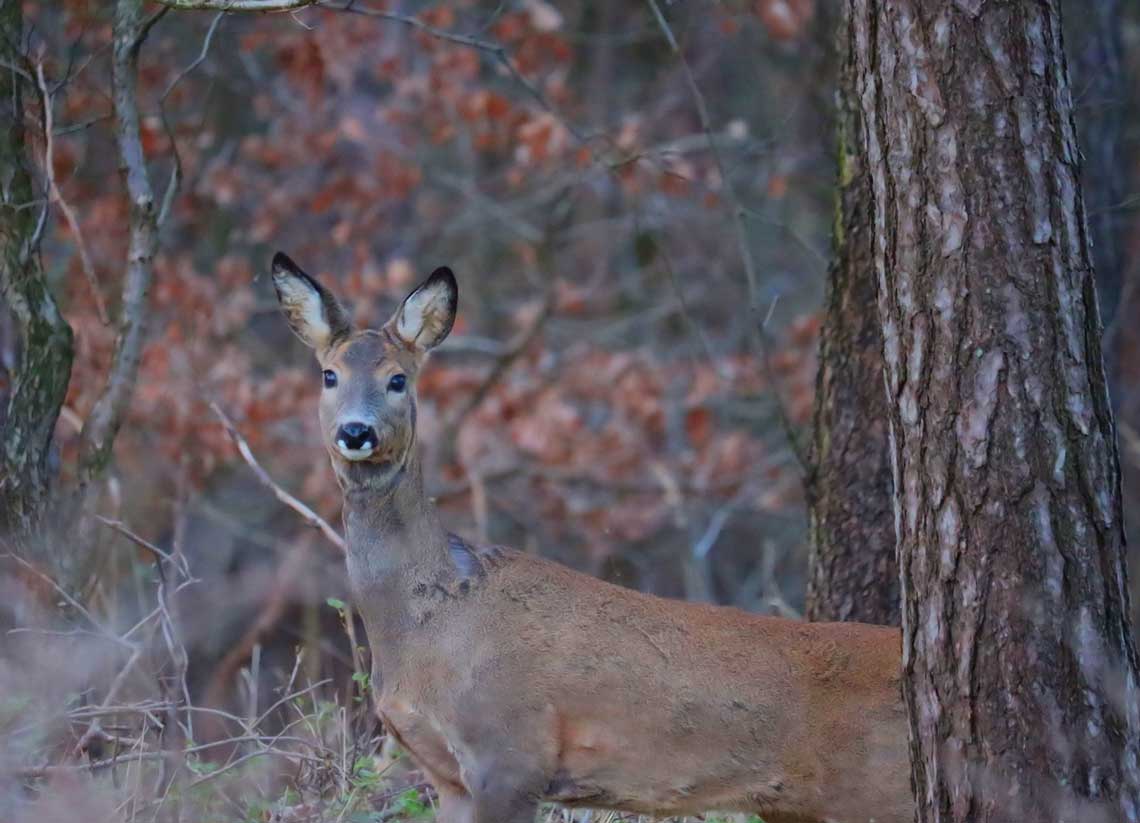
pixel 38 383
pixel 1020 673
pixel 852 572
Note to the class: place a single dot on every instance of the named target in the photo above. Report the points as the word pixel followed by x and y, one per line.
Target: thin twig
pixel 64 207
pixel 237 5
pixel 310 516
pixel 757 326
pixel 148 24
pixel 789 430
pixel 141 542
pixel 497 51
pixel 686 314
pixel 96 729
pixel 503 363
pixel 718 158
pixel 71 601
pixel 176 170
pixel 458 38
pixel 62 131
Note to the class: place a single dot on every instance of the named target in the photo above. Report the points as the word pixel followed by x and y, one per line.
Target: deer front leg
pixel 507 751
pixel 455 805
pixel 505 792
pixel 494 805
pixel 503 806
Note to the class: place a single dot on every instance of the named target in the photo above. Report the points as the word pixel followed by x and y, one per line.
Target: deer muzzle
pixel 356 441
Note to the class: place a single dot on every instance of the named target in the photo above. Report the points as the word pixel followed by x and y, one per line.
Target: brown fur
pixel 511 679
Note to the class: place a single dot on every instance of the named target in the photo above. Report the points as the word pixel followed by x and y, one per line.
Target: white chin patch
pixel 355 454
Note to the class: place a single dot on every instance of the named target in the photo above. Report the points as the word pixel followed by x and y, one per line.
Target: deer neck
pixel 393 532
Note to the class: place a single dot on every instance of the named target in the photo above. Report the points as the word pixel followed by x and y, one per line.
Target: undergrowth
pixel 97 723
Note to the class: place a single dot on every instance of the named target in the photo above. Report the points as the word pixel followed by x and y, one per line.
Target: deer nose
pixel 356 436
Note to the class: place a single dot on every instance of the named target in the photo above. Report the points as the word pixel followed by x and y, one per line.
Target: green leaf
pixel 410 804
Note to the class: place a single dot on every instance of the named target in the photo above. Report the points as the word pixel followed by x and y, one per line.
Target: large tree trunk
pixel 853 574
pixel 1020 673
pixel 38 382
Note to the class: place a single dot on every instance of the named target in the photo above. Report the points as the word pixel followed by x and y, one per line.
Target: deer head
pixel 368 403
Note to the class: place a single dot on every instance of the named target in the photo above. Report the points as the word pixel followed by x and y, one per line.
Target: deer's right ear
pixel 314 314
pixel 426 316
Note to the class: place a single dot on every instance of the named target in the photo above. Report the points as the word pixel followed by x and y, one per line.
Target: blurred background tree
pixel 852 570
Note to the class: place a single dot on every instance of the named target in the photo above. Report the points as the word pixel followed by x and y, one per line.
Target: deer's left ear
pixel 314 314
pixel 427 314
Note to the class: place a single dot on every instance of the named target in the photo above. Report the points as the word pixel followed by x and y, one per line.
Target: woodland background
pixel 618 219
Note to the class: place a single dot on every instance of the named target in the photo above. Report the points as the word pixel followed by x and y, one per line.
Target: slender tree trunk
pixel 110 409
pixel 1020 673
pixel 42 369
pixel 853 574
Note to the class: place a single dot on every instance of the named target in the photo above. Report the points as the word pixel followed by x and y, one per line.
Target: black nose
pixel 356 436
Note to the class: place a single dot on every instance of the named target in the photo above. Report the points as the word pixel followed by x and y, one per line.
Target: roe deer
pixel 511 679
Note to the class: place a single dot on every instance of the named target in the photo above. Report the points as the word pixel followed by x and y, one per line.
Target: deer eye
pixel 329 376
pixel 397 383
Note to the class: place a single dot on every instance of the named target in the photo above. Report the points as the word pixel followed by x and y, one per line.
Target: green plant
pixel 410 804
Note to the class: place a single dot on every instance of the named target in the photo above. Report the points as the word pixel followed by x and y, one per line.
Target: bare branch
pixel 106 416
pixel 310 516
pixel 141 542
pixel 71 601
pixel 64 207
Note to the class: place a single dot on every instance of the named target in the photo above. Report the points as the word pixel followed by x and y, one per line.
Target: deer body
pixel 511 679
